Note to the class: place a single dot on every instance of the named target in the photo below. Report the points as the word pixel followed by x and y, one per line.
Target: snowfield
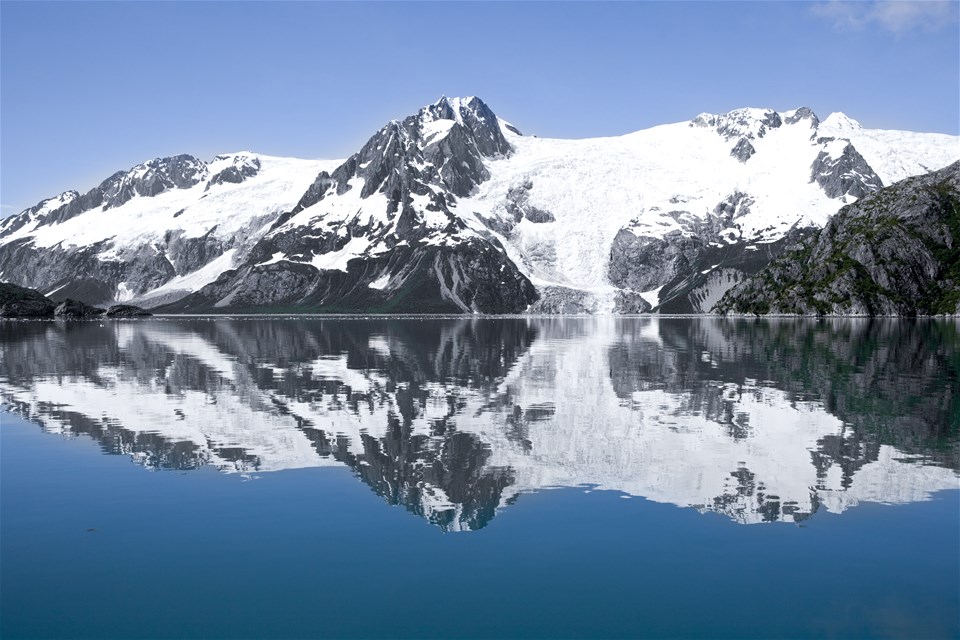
pixel 595 187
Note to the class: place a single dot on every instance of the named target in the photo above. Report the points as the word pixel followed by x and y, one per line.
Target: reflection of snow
pixel 559 417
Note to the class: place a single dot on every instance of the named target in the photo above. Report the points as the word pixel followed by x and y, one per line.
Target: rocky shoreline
pixel 21 302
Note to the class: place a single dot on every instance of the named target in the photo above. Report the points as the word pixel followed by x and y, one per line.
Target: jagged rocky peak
pixel 37 212
pixel 146 179
pixel 474 116
pixel 233 168
pixel 152 177
pixel 443 144
pixel 749 123
pixel 800 115
pixel 841 171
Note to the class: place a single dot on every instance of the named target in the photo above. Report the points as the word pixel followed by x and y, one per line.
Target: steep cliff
pixel 895 252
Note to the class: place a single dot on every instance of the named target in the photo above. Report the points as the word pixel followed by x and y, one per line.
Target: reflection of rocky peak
pixel 444 479
pixel 456 418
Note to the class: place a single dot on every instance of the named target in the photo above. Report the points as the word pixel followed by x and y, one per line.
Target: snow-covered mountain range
pixel 452 209
pixel 457 419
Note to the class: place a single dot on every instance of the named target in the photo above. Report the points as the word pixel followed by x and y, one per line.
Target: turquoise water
pixel 479 478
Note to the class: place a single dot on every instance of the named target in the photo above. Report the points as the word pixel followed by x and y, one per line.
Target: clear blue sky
pixel 90 88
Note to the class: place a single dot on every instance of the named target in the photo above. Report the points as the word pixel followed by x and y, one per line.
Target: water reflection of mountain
pixel 762 421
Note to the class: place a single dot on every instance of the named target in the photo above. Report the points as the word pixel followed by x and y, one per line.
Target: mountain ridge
pixel 451 209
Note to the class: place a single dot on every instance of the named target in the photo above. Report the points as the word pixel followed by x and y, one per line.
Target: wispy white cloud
pixel 897 16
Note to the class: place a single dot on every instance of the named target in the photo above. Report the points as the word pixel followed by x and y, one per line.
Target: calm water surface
pixel 598 477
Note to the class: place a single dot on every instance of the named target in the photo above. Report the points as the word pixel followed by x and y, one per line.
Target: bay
pixel 480 477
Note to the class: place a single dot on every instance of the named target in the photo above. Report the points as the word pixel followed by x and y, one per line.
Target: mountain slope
pixel 453 210
pixel 896 252
pixel 378 233
pixel 158 231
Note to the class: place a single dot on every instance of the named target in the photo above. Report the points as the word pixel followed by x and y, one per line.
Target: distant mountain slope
pixel 453 210
pixel 895 252
pixel 156 232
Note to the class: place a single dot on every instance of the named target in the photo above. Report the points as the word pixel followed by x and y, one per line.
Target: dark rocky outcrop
pixel 236 173
pixel 20 302
pixel 126 311
pixel 519 207
pixel 740 123
pixel 76 309
pixel 152 177
pixel 845 175
pixel 472 276
pixel 695 266
pixel 895 252
pixel 801 114
pixel 743 150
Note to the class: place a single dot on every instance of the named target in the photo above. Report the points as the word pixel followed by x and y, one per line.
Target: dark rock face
pixel 126 311
pixel 20 302
pixel 847 175
pixel 142 268
pixel 153 177
pixel 443 144
pixel 896 252
pixel 644 263
pixel 472 276
pixel 694 267
pixel 803 113
pixel 236 173
pixel 740 123
pixel 76 309
pixel 518 205
pixel 743 150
